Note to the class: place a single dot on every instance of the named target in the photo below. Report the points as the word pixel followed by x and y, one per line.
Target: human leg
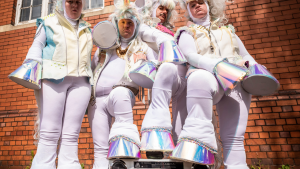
pixel 202 90
pixel 161 97
pixel 119 104
pixel 179 110
pixel 179 114
pixel 77 100
pixel 233 116
pixel 159 129
pixel 100 122
pixel 52 102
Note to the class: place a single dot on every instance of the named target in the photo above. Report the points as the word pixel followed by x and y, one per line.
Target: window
pixel 50 6
pixel 92 4
pixel 29 10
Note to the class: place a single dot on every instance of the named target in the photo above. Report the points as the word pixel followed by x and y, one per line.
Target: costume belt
pixel 134 90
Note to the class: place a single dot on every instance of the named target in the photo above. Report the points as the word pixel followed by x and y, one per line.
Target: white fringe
pixel 180 30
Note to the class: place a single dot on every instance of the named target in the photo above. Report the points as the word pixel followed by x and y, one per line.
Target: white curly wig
pixel 123 11
pixel 127 11
pixel 58 5
pixel 169 4
pixel 216 10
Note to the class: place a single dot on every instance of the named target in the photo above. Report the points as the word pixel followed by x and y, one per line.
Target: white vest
pixel 67 52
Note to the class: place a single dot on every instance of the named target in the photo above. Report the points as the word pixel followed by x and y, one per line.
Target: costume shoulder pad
pixel 190 30
pixel 229 26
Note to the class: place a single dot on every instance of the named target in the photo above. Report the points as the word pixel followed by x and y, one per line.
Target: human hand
pixel 243 63
pixel 138 56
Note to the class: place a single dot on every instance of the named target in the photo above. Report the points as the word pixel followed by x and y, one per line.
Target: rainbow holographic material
pixel 190 71
pixel 200 143
pixel 170 52
pixel 144 75
pixel 156 140
pixel 192 152
pixel 229 75
pixel 123 147
pixel 28 75
pixel 260 81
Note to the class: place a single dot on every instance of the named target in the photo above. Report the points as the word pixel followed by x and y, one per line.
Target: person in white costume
pixel 205 42
pixel 170 79
pixel 114 91
pixel 63 46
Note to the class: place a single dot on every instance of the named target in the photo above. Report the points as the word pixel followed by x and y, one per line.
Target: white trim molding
pixel 105 10
pixel 44 11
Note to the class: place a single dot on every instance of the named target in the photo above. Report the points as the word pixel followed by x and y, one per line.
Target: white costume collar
pixel 73 22
pixel 205 21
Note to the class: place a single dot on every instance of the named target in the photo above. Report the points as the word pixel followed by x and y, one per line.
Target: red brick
pixel 294 154
pixel 272 128
pixel 276 141
pixel 256 154
pixel 277 154
pixel 275 147
pixel 280 121
pixel 274 134
pixel 291 121
pixel 270 122
pixel 276 109
pixel 266 104
pixel 286 147
pixel 264 135
pixel 254 148
pixel 256 142
pixel 254 129
pixel 290 115
pixel 265 148
pixel 269 116
pixel 253 135
pixel 260 122
pixel 284 134
pixel 286 102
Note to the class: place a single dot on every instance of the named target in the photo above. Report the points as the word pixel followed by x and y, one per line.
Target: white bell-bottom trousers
pixel 204 91
pixel 169 83
pixel 117 104
pixel 62 107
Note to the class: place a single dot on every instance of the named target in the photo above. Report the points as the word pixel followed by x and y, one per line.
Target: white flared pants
pixel 169 83
pixel 117 104
pixel 62 107
pixel 203 91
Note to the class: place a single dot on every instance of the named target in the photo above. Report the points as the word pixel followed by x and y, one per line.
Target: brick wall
pixel 270 31
pixel 7 12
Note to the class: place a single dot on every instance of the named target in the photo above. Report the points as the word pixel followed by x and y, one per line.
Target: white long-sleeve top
pixel 187 45
pixel 36 50
pixel 114 70
pixel 152 35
